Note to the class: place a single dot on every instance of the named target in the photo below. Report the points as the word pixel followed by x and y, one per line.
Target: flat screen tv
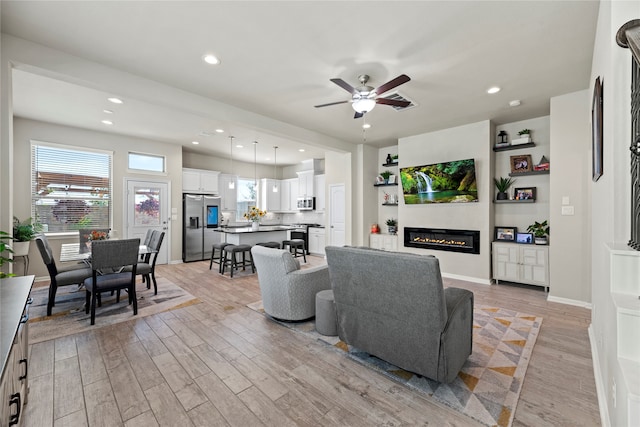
pixel 449 182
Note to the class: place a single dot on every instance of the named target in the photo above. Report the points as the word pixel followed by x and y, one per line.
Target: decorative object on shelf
pixel 392 225
pixel 596 131
pixel 503 139
pixel 379 180
pixel 393 179
pixel 254 214
pixel 394 158
pixel 507 234
pixel 543 165
pixel 23 232
pixel 389 159
pixel 520 164
pixel 526 238
pixel 385 175
pixel 386 197
pixel 375 229
pixel 526 193
pixel 5 247
pixel 540 231
pixel 524 137
pixel 503 185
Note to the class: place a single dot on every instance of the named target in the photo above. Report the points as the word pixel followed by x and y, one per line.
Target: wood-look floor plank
pixel 183 354
pixel 174 374
pixel 92 367
pixel 65 347
pixel 39 411
pixel 166 408
pixel 75 419
pixel 68 397
pixel 222 368
pixel 262 406
pixel 41 358
pixel 143 420
pixel 206 415
pixel 102 409
pixel 143 367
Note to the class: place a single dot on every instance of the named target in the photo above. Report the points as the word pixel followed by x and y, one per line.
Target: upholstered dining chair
pixel 147 268
pixel 60 276
pixel 108 260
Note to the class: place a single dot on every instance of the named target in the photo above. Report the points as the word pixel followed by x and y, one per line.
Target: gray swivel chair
pixel 63 276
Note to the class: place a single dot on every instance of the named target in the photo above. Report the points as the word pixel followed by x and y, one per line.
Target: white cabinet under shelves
pixel 228 195
pixel 385 242
pixel 316 240
pixel 319 183
pixel 200 181
pixel 521 263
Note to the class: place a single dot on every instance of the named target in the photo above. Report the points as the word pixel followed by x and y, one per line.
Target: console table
pixel 14 347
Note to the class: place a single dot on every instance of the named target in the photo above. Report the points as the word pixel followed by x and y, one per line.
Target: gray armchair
pixel 393 305
pixel 288 293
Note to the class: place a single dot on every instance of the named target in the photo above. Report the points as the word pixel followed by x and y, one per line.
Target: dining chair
pixel 112 256
pixel 60 276
pixel 147 268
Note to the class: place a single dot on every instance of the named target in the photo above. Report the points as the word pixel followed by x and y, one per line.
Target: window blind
pixel 71 188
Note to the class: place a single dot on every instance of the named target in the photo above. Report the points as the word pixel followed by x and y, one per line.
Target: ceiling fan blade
pixel 344 85
pixel 358 115
pixel 394 102
pixel 331 103
pixel 401 79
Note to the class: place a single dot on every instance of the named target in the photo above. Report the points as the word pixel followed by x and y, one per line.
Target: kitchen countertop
pixel 261 229
pixel 14 292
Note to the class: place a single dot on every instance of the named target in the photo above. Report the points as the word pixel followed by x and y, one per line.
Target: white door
pixel 336 215
pixel 148 209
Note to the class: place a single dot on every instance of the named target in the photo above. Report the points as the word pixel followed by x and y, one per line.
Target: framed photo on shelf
pixel 526 238
pixel 596 130
pixel 521 163
pixel 379 180
pixel 506 234
pixel 525 193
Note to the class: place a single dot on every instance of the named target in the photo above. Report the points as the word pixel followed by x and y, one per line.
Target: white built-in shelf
pixel 515 147
pixel 628 304
pixel 515 201
pixel 529 173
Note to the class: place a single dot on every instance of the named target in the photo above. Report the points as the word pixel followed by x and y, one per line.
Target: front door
pixel 148 209
pixel 336 215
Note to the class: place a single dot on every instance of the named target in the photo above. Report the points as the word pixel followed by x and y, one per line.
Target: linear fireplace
pixel 466 241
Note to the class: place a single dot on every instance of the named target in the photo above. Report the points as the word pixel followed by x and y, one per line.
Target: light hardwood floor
pixel 220 363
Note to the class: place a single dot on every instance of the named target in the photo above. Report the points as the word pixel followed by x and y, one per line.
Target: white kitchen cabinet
pixel 269 201
pixel 316 240
pixel 294 193
pixel 385 242
pixel 319 183
pixel 305 184
pixel 527 264
pixel 285 196
pixel 200 181
pixel 228 195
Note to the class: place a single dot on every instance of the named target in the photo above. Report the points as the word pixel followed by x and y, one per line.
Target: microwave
pixel 306 203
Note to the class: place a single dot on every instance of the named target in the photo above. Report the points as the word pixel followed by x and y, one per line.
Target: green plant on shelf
pixel 386 174
pixel 524 132
pixel 539 229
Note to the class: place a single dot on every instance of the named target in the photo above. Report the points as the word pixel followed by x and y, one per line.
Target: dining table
pixel 70 252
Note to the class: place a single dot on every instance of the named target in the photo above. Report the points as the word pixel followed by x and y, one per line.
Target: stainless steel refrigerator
pixel 201 215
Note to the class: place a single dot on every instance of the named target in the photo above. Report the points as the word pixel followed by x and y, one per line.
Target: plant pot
pixel 20 248
pixel 392 229
pixel 255 225
pixel 502 196
pixel 541 240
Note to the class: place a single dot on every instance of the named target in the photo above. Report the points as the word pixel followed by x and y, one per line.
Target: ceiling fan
pixel 364 98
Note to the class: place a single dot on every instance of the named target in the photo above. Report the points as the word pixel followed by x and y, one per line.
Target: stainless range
pixel 302 232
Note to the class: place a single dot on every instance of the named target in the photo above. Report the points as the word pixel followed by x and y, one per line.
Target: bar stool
pixel 231 258
pixel 274 245
pixel 294 246
pixel 220 247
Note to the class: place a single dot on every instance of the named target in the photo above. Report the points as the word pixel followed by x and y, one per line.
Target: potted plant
pixel 540 231
pixel 392 225
pixel 386 174
pixel 4 247
pixel 526 134
pixel 394 158
pixel 503 185
pixel 23 232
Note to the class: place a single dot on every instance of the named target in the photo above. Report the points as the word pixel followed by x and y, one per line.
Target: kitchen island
pixel 249 236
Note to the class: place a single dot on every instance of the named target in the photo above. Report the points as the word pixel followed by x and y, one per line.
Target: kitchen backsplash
pixel 307 217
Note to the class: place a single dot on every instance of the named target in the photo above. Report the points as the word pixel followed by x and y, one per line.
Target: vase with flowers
pixel 95 235
pixel 254 214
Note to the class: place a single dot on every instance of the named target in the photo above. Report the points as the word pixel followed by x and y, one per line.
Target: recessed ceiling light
pixel 366 126
pixel 239 146
pixel 514 103
pixel 220 130
pixel 195 142
pixel 211 59
pixel 107 122
pixel 301 150
pixel 107 111
pixel 494 89
pixel 116 100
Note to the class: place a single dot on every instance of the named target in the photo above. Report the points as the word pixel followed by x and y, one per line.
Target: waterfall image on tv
pixel 449 182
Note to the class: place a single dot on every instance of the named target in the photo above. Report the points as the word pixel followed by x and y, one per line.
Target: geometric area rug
pixel 488 386
pixel 69 317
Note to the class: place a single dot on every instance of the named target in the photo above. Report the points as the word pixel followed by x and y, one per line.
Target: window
pixel 146 162
pixel 70 187
pixel 247 196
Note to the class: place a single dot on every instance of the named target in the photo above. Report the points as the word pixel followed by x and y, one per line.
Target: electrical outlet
pixel 613 392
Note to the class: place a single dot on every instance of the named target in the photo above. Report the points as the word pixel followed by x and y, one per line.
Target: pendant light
pixel 275 170
pixel 232 182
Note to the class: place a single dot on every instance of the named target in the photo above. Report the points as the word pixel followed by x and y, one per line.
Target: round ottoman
pixel 326 320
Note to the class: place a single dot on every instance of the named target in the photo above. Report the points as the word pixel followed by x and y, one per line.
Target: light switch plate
pixel 565 200
pixel 567 210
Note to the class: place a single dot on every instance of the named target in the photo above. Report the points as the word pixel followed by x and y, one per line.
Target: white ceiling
pixel 278 57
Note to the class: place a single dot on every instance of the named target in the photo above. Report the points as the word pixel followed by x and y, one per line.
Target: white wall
pixel 463 142
pixel 570 243
pixel 27 130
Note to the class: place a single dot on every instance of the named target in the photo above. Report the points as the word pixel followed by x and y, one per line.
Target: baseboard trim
pixel 597 373
pixel 568 301
pixel 467 278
